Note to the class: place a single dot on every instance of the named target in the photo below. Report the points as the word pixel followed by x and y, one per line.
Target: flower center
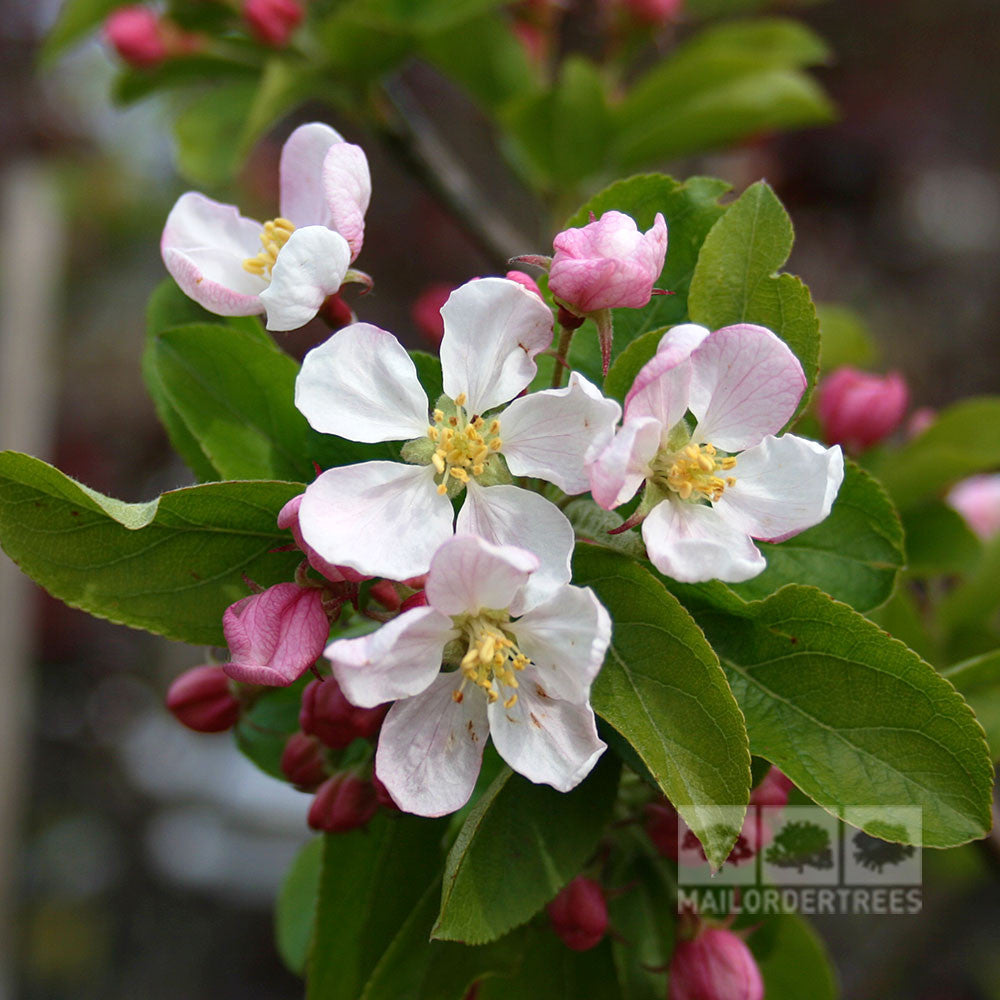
pixel 462 445
pixel 691 472
pixel 273 237
pixel 492 659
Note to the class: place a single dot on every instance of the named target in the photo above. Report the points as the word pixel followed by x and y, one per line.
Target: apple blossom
pixel 286 267
pixel 977 499
pixel 857 409
pixel 518 669
pixel 388 518
pixel 710 491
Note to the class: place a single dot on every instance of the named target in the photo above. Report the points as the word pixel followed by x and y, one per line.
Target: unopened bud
pixel 202 699
pixel 331 718
pixel 137 36
pixel 385 592
pixel 525 281
pixel 579 914
pixel 655 11
pixel 714 965
pixel 857 409
pixel 675 840
pixel 382 795
pixel 773 790
pixel 273 21
pixel 426 311
pixel 336 313
pixel 302 762
pixel 343 802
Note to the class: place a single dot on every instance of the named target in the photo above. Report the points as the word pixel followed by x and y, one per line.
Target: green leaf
pixel 171 566
pixel 371 881
pixel 938 540
pixel 976 597
pixel 168 306
pixel 295 911
pixel 964 439
pixel 735 280
pixel 519 845
pixel 979 681
pixel 593 524
pixel 263 731
pixel 662 688
pixel 77 19
pixel 629 363
pixel 209 130
pixel 902 618
pixel 792 960
pixel 845 337
pixel 132 85
pixel 854 555
pixel 852 716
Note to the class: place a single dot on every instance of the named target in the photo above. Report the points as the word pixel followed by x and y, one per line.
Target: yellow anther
pixel 462 446
pixel 457 696
pixel 691 471
pixel 458 473
pixel 274 236
pixel 511 701
pixel 438 462
pixel 442 489
pixel 460 399
pixel 496 444
pixel 495 427
pixel 438 417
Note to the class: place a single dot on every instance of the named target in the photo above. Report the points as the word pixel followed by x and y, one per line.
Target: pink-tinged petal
pixel 204 244
pixel 493 328
pixel 692 543
pixel 566 639
pixel 783 486
pixel 431 747
pixel 468 573
pixel 977 499
pixel 617 471
pixel 288 520
pixel 682 340
pixel 347 190
pixel 301 174
pixel 550 742
pixel 275 636
pixel 379 518
pixel 745 384
pixel 362 385
pixel 548 434
pixel 508 515
pixel 662 387
pixel 400 660
pixel 309 267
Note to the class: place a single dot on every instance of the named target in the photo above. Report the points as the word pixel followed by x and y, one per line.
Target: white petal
pixel 309 267
pixel 679 341
pixel 621 468
pixel 468 573
pixel 301 172
pixel 783 486
pixel 566 639
pixel 550 742
pixel 661 389
pixel 493 328
pixel 548 434
pixel 379 518
pixel 508 515
pixel 347 189
pixel 400 660
pixel 692 543
pixel 431 747
pixel 362 385
pixel 746 383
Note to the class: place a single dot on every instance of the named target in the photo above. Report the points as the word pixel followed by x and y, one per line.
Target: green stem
pixel 562 356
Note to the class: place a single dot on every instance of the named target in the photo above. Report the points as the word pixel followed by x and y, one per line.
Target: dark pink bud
pixel 202 699
pixel 384 591
pixel 715 965
pixel 274 637
pixel 302 762
pixel 330 717
pixel 343 802
pixel 417 600
pixel 773 790
pixel 579 914
pixel 273 21
pixel 655 11
pixel 426 311
pixel 525 281
pixel 137 35
pixel 857 409
pixel 336 313
pixel 382 796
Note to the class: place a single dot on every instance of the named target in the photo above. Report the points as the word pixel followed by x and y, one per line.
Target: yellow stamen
pixel 691 472
pixel 275 235
pixel 463 446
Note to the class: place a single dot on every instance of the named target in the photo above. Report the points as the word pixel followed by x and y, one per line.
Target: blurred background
pixel 140 860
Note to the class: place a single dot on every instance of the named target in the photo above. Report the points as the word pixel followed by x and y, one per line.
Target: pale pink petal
pixel 977 499
pixel 347 189
pixel 399 660
pixel 288 519
pixel 204 244
pixel 566 639
pixel 550 742
pixel 362 385
pixel 783 486
pixel 692 543
pixel 309 267
pixel 620 469
pixel 468 573
pixel 662 387
pixel 745 384
pixel 431 747
pixel 681 340
pixel 508 515
pixel 301 174
pixel 548 434
pixel 379 518
pixel 493 328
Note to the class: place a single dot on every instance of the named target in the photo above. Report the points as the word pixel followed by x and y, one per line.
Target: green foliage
pixel 792 960
pixel 938 540
pixel 295 912
pixel 263 730
pixel 735 279
pixel 170 566
pixel 662 688
pixel 630 362
pixel 845 337
pixel 76 20
pixel 851 715
pixel 209 132
pixel 979 681
pixel 519 845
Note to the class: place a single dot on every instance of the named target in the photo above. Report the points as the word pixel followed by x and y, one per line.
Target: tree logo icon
pixel 801 845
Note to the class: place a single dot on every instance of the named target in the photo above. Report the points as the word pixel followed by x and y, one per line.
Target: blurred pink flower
pixel 273 21
pixel 977 499
pixel 857 409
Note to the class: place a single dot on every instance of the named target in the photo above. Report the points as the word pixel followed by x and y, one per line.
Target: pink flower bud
pixel 336 313
pixel 202 699
pixel 715 965
pixel 426 311
pixel 773 790
pixel 675 840
pixel 274 637
pixel 608 263
pixel 525 280
pixel 977 499
pixel 343 802
pixel 273 21
pixel 857 409
pixel 382 796
pixel 302 762
pixel 385 592
pixel 579 914
pixel 137 35
pixel 655 11
pixel 329 716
